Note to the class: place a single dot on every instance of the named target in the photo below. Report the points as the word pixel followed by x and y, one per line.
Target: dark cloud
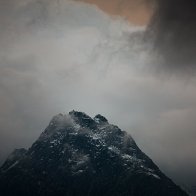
pixel 173 29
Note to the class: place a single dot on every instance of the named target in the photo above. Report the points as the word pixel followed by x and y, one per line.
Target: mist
pixel 65 55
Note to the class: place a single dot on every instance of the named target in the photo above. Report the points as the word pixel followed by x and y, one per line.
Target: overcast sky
pixel 56 56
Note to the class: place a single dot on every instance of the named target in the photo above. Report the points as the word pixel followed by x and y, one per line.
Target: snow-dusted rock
pixel 80 155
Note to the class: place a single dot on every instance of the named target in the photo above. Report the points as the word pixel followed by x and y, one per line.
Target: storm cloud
pixel 64 55
pixel 173 30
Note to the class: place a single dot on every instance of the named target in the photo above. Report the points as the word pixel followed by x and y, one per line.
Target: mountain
pixel 78 155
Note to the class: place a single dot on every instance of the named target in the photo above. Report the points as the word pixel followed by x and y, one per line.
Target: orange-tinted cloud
pixel 136 11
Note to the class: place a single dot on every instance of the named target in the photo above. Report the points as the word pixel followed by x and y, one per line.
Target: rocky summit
pixel 78 155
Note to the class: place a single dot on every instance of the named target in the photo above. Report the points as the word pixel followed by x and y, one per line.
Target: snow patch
pixel 154 175
pixel 127 157
pixel 114 149
pixel 13 165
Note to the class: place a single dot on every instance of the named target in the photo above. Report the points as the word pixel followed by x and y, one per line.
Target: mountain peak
pixel 83 119
pixel 100 119
pixel 79 114
pixel 78 155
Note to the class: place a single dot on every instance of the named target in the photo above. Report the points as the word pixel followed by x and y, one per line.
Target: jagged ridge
pixel 80 155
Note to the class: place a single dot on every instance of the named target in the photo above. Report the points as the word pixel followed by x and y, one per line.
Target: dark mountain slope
pixel 78 155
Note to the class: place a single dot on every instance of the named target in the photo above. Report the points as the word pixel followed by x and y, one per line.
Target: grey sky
pixel 64 55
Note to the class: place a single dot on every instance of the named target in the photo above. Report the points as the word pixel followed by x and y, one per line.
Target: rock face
pixel 78 155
